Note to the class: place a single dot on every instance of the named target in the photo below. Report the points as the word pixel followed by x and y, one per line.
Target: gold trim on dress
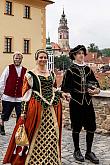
pixel 31 153
pixel 33 142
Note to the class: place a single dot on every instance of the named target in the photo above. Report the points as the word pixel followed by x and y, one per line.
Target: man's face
pixel 80 56
pixel 17 59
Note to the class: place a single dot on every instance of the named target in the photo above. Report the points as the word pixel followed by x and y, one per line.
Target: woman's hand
pixel 94 91
pixel 66 96
pixel 23 116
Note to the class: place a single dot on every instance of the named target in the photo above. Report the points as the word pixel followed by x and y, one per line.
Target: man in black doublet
pixel 75 82
pixel 79 80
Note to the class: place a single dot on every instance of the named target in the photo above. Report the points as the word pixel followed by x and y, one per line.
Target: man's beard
pixel 17 63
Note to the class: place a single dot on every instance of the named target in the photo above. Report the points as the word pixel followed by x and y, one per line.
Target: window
pixel 9 7
pixel 50 59
pixel 8 45
pixel 26 46
pixel 60 36
pixel 27 12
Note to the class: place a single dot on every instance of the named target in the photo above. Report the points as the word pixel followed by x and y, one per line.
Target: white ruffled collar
pixel 79 64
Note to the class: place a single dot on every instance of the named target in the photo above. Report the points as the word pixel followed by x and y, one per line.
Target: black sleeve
pixel 93 78
pixel 67 82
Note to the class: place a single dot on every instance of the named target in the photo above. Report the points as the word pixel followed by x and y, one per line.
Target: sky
pixel 88 21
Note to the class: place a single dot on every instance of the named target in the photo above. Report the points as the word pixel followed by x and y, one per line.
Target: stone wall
pixel 102 109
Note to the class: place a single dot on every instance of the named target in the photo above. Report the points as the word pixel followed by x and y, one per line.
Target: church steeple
pixel 63 20
pixel 63 15
pixel 63 11
pixel 63 32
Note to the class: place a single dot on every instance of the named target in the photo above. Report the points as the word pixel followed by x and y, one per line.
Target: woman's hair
pixel 40 51
pixel 75 50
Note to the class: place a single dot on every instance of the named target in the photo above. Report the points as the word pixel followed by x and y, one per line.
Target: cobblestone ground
pixel 101 146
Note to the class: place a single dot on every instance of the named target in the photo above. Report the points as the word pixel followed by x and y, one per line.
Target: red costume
pixel 14 83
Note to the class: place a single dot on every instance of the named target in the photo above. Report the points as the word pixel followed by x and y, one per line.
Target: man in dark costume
pixel 80 82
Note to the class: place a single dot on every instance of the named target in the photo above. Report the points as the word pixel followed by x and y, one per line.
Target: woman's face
pixel 79 57
pixel 42 59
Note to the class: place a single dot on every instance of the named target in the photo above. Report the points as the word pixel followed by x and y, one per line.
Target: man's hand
pixel 23 116
pixel 94 91
pixel 66 96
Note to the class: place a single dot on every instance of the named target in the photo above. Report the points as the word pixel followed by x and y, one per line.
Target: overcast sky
pixel 88 21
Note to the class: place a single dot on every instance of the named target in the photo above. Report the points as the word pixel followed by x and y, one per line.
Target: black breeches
pixel 82 116
pixel 8 108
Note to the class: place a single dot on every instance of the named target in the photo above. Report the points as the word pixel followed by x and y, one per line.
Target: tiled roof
pixel 106 60
pixel 92 58
pixel 55 46
pixel 49 1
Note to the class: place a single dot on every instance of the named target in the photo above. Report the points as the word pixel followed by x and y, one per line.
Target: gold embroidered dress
pixel 44 114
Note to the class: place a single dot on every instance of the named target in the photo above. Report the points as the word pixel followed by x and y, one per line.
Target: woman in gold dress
pixel 42 117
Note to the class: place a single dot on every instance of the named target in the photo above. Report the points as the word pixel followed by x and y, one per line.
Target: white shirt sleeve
pixel 3 79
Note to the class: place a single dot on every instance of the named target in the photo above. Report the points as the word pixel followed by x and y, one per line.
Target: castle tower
pixel 63 33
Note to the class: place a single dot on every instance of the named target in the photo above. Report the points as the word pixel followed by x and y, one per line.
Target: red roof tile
pixel 55 46
pixel 92 58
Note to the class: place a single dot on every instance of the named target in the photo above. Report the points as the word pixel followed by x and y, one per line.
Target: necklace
pixel 42 71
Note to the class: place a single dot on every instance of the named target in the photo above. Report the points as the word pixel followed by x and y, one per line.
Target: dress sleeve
pixel 26 92
pixel 56 89
pixel 26 86
pixel 55 82
pixel 67 82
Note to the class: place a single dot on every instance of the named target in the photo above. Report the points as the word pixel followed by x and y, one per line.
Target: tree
pixel 106 52
pixel 62 62
pixel 93 48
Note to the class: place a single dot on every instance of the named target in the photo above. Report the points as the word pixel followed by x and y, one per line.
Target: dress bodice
pixel 44 85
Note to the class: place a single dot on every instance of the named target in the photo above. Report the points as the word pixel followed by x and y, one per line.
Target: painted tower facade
pixel 63 33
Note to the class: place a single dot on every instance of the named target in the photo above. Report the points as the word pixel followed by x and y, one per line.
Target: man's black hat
pixel 74 51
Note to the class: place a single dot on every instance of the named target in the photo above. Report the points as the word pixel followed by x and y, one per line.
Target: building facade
pixel 22 28
pixel 50 63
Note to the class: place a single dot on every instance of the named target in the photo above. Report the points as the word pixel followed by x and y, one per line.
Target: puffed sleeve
pixel 93 78
pixel 54 80
pixel 26 92
pixel 67 82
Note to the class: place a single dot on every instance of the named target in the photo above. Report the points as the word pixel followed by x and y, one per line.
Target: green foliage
pixel 105 83
pixel 106 52
pixel 93 48
pixel 62 63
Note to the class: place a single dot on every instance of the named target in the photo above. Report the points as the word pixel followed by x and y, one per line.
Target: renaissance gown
pixel 43 123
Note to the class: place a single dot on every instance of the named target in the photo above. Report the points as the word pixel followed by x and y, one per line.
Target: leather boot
pixel 78 156
pixel 92 157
